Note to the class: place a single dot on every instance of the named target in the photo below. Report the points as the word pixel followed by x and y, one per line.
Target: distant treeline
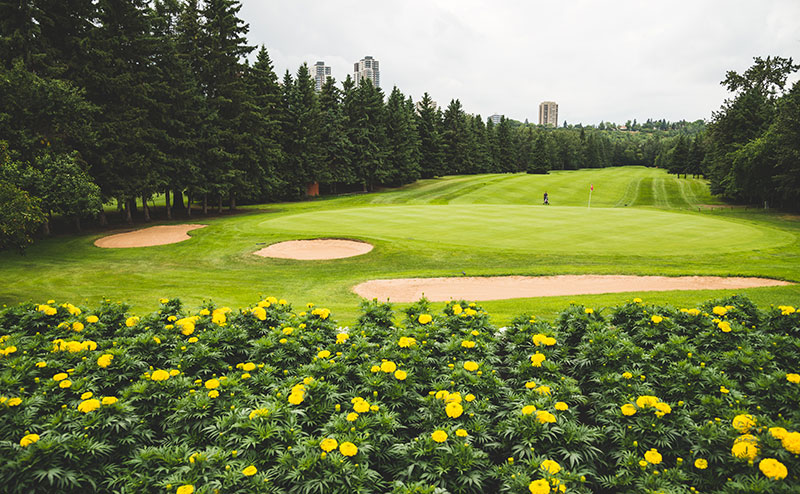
pixel 126 100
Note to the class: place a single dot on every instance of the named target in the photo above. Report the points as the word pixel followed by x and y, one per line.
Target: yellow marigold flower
pixel 530 384
pixel 537 359
pixel 375 368
pixel 249 366
pixel 352 416
pixel 175 372
pixel 471 366
pixel 793 378
pixel 342 337
pixel 132 321
pixel 66 383
pixel 656 319
pixel 193 339
pixel 653 456
pixel 282 341
pixel 778 432
pixel 540 486
pixel 77 326
pixel 204 312
pixel 361 406
pixel 550 467
pixel 400 375
pixel 628 409
pixel 720 311
pixel 545 417
pixel 561 406
pixel 724 326
pixel 159 375
pixel 88 345
pixel 745 449
pixel 646 401
pixel 89 405
pixel 185 489
pixel 250 471
pixel 454 410
pixel 701 463
pixel 296 398
pixel 41 364
pixel 543 390
pixel 87 395
pixel 246 375
pixel 743 423
pixel 724 390
pixel 260 313
pixel 109 400
pixel 439 436
pixel 468 344
pixel 60 376
pixel 791 442
pixel 461 433
pixel 454 397
pixel 637 300
pixel 772 468
pixel 627 375
pixel 213 393
pixel 324 354
pixel 28 439
pixel 388 366
pixel 469 397
pixel 47 310
pixel 157 340
pixel 104 360
pixel 212 384
pixel 470 312
pixel 457 309
pixel 424 318
pixel 258 412
pixel 328 444
pixel 662 409
pixel 588 310
pixel 348 449
pixel 528 409
pixel 12 402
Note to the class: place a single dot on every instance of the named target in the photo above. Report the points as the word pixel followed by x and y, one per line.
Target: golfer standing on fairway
pixel 546 199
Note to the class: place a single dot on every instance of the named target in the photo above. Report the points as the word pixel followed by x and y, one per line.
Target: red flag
pixel 591 187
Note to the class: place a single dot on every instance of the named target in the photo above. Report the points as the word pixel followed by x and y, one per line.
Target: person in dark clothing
pixel 546 199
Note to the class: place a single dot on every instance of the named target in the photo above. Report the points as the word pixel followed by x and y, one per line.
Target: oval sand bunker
pixel 315 250
pixel 506 287
pixel 148 237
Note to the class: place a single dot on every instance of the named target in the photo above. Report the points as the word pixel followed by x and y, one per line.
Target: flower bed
pixel 635 398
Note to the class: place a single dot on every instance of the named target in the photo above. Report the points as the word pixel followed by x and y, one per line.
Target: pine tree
pixel 401 165
pixel 454 138
pixel 335 147
pixel 430 144
pixel 366 131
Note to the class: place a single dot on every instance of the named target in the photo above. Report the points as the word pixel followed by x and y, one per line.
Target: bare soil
pixel 315 250
pixel 507 287
pixel 148 237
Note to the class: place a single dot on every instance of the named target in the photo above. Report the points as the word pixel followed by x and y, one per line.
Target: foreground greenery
pixel 635 398
pixel 479 225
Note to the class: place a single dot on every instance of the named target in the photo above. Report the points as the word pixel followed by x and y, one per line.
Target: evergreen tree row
pixel 110 101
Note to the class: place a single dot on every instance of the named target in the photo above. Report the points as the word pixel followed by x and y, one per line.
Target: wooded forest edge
pixel 114 101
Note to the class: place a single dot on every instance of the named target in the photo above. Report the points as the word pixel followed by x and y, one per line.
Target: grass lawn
pixel 641 221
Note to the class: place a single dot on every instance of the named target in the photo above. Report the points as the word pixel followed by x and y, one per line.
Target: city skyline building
pixel 548 113
pixel 368 68
pixel 321 73
pixel 495 118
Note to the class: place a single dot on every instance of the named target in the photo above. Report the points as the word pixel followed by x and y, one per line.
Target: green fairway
pixel 641 221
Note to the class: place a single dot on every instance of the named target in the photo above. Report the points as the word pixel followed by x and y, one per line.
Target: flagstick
pixel 590 199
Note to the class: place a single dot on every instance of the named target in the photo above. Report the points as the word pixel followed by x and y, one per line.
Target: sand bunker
pixel 147 237
pixel 316 249
pixel 505 287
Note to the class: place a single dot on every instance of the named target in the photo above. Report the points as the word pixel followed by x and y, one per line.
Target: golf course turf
pixel 641 221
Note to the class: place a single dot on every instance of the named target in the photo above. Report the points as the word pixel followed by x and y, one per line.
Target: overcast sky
pixel 599 60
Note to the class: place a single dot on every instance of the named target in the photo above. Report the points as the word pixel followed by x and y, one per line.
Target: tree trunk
pixel 219 204
pixel 166 201
pixel 46 228
pixel 177 200
pixel 145 208
pixel 188 204
pixel 132 205
pixel 103 219
pixel 232 205
pixel 205 203
pixel 128 214
pixel 77 223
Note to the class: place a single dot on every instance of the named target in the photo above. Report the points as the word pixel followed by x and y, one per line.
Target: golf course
pixel 641 221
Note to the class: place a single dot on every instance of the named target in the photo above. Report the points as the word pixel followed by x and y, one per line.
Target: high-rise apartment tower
pixel 548 113
pixel 368 68
pixel 320 73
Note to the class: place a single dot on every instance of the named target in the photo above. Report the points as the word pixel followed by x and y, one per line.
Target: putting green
pixel 567 230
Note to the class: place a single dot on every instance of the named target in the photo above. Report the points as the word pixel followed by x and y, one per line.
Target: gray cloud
pixel 609 61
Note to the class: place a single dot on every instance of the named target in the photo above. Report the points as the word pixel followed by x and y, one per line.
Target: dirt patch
pixel 148 237
pixel 315 250
pixel 506 287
